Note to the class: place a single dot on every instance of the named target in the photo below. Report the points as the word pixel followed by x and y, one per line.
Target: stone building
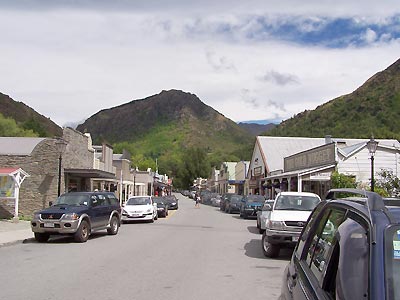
pixel 40 158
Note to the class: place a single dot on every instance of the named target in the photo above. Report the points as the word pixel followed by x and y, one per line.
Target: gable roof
pixel 18 145
pixel 274 149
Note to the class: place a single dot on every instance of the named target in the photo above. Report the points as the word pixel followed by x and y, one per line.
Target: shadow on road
pixel 254 229
pixel 254 249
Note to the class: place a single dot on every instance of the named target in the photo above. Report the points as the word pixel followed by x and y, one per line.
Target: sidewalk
pixel 14 232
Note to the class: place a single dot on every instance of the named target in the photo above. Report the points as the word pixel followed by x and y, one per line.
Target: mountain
pixel 27 118
pixel 372 109
pixel 256 129
pixel 166 123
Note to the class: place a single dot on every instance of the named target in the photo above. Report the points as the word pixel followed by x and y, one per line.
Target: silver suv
pixel 78 214
pixel 289 214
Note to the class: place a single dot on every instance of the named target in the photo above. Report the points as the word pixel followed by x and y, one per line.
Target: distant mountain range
pixel 256 129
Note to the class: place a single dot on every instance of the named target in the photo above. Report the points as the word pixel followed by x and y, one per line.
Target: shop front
pixel 308 171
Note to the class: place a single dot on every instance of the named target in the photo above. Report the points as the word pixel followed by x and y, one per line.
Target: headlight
pixel 124 212
pixel 275 225
pixel 149 210
pixel 173 203
pixel 36 216
pixel 71 216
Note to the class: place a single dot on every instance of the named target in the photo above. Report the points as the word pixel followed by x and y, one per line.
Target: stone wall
pixel 77 155
pixel 41 187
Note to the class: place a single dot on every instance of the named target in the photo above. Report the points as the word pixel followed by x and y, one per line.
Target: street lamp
pixel 134 182
pixel 372 145
pixel 61 144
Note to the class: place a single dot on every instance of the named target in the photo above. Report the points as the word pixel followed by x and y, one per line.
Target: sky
pixel 263 61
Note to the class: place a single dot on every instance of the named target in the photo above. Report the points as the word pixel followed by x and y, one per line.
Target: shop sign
pixel 316 157
pixel 257 171
pixel 321 176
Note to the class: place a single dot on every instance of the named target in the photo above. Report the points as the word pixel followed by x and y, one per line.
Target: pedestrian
pixel 197 199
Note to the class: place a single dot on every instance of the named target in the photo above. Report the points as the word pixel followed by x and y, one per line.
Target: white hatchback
pixel 139 208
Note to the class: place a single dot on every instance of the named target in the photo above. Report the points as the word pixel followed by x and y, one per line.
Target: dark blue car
pixel 78 214
pixel 250 205
pixel 349 249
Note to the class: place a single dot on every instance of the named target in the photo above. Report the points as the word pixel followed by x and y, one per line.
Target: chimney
pixel 328 139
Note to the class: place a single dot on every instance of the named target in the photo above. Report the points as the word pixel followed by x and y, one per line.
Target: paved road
pixel 194 254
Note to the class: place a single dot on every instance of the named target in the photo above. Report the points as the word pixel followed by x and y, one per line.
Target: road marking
pixel 171 213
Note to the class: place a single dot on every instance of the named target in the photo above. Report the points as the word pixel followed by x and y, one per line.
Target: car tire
pixel 42 237
pixel 269 250
pixel 82 234
pixel 114 226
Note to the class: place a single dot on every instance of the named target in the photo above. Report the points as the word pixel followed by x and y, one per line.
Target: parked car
pixel 263 215
pixel 216 200
pixel 250 204
pixel 288 216
pixel 78 214
pixel 233 203
pixel 349 249
pixel 162 207
pixel 139 208
pixel 172 201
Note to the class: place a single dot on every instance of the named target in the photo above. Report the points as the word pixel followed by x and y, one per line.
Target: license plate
pixel 295 238
pixel 49 225
pixel 135 215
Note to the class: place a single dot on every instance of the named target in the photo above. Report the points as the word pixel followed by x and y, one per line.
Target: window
pixel 392 262
pixel 322 244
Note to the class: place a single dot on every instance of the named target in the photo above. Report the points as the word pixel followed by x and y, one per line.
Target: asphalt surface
pixel 195 253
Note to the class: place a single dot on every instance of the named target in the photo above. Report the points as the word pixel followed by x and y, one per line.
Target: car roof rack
pixel 372 200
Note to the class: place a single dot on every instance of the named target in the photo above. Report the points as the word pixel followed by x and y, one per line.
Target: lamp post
pixel 372 145
pixel 134 182
pixel 61 144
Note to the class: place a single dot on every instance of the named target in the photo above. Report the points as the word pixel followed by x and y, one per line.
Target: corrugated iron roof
pixel 18 145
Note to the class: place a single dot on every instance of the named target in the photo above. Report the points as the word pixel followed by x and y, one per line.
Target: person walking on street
pixel 197 198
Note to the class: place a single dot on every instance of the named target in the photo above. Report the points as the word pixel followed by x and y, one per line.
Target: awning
pixel 89 173
pixel 300 173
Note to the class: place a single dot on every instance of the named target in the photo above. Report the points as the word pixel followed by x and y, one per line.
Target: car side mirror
pixel 267 207
pixel 50 203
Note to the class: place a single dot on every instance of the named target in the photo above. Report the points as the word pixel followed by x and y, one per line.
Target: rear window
pixel 392 263
pixel 296 202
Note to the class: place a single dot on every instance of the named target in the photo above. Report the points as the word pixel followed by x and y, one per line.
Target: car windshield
pixel 139 201
pixel 72 199
pixel 255 198
pixel 235 199
pixel 392 263
pixel 296 202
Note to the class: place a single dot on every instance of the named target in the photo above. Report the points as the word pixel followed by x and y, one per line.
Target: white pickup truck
pixel 289 214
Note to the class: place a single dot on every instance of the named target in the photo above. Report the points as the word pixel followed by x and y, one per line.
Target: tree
pixel 343 181
pixel 388 182
pixel 194 165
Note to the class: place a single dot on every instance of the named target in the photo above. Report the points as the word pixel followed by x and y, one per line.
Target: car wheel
pixel 114 226
pixel 270 250
pixel 82 234
pixel 42 237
